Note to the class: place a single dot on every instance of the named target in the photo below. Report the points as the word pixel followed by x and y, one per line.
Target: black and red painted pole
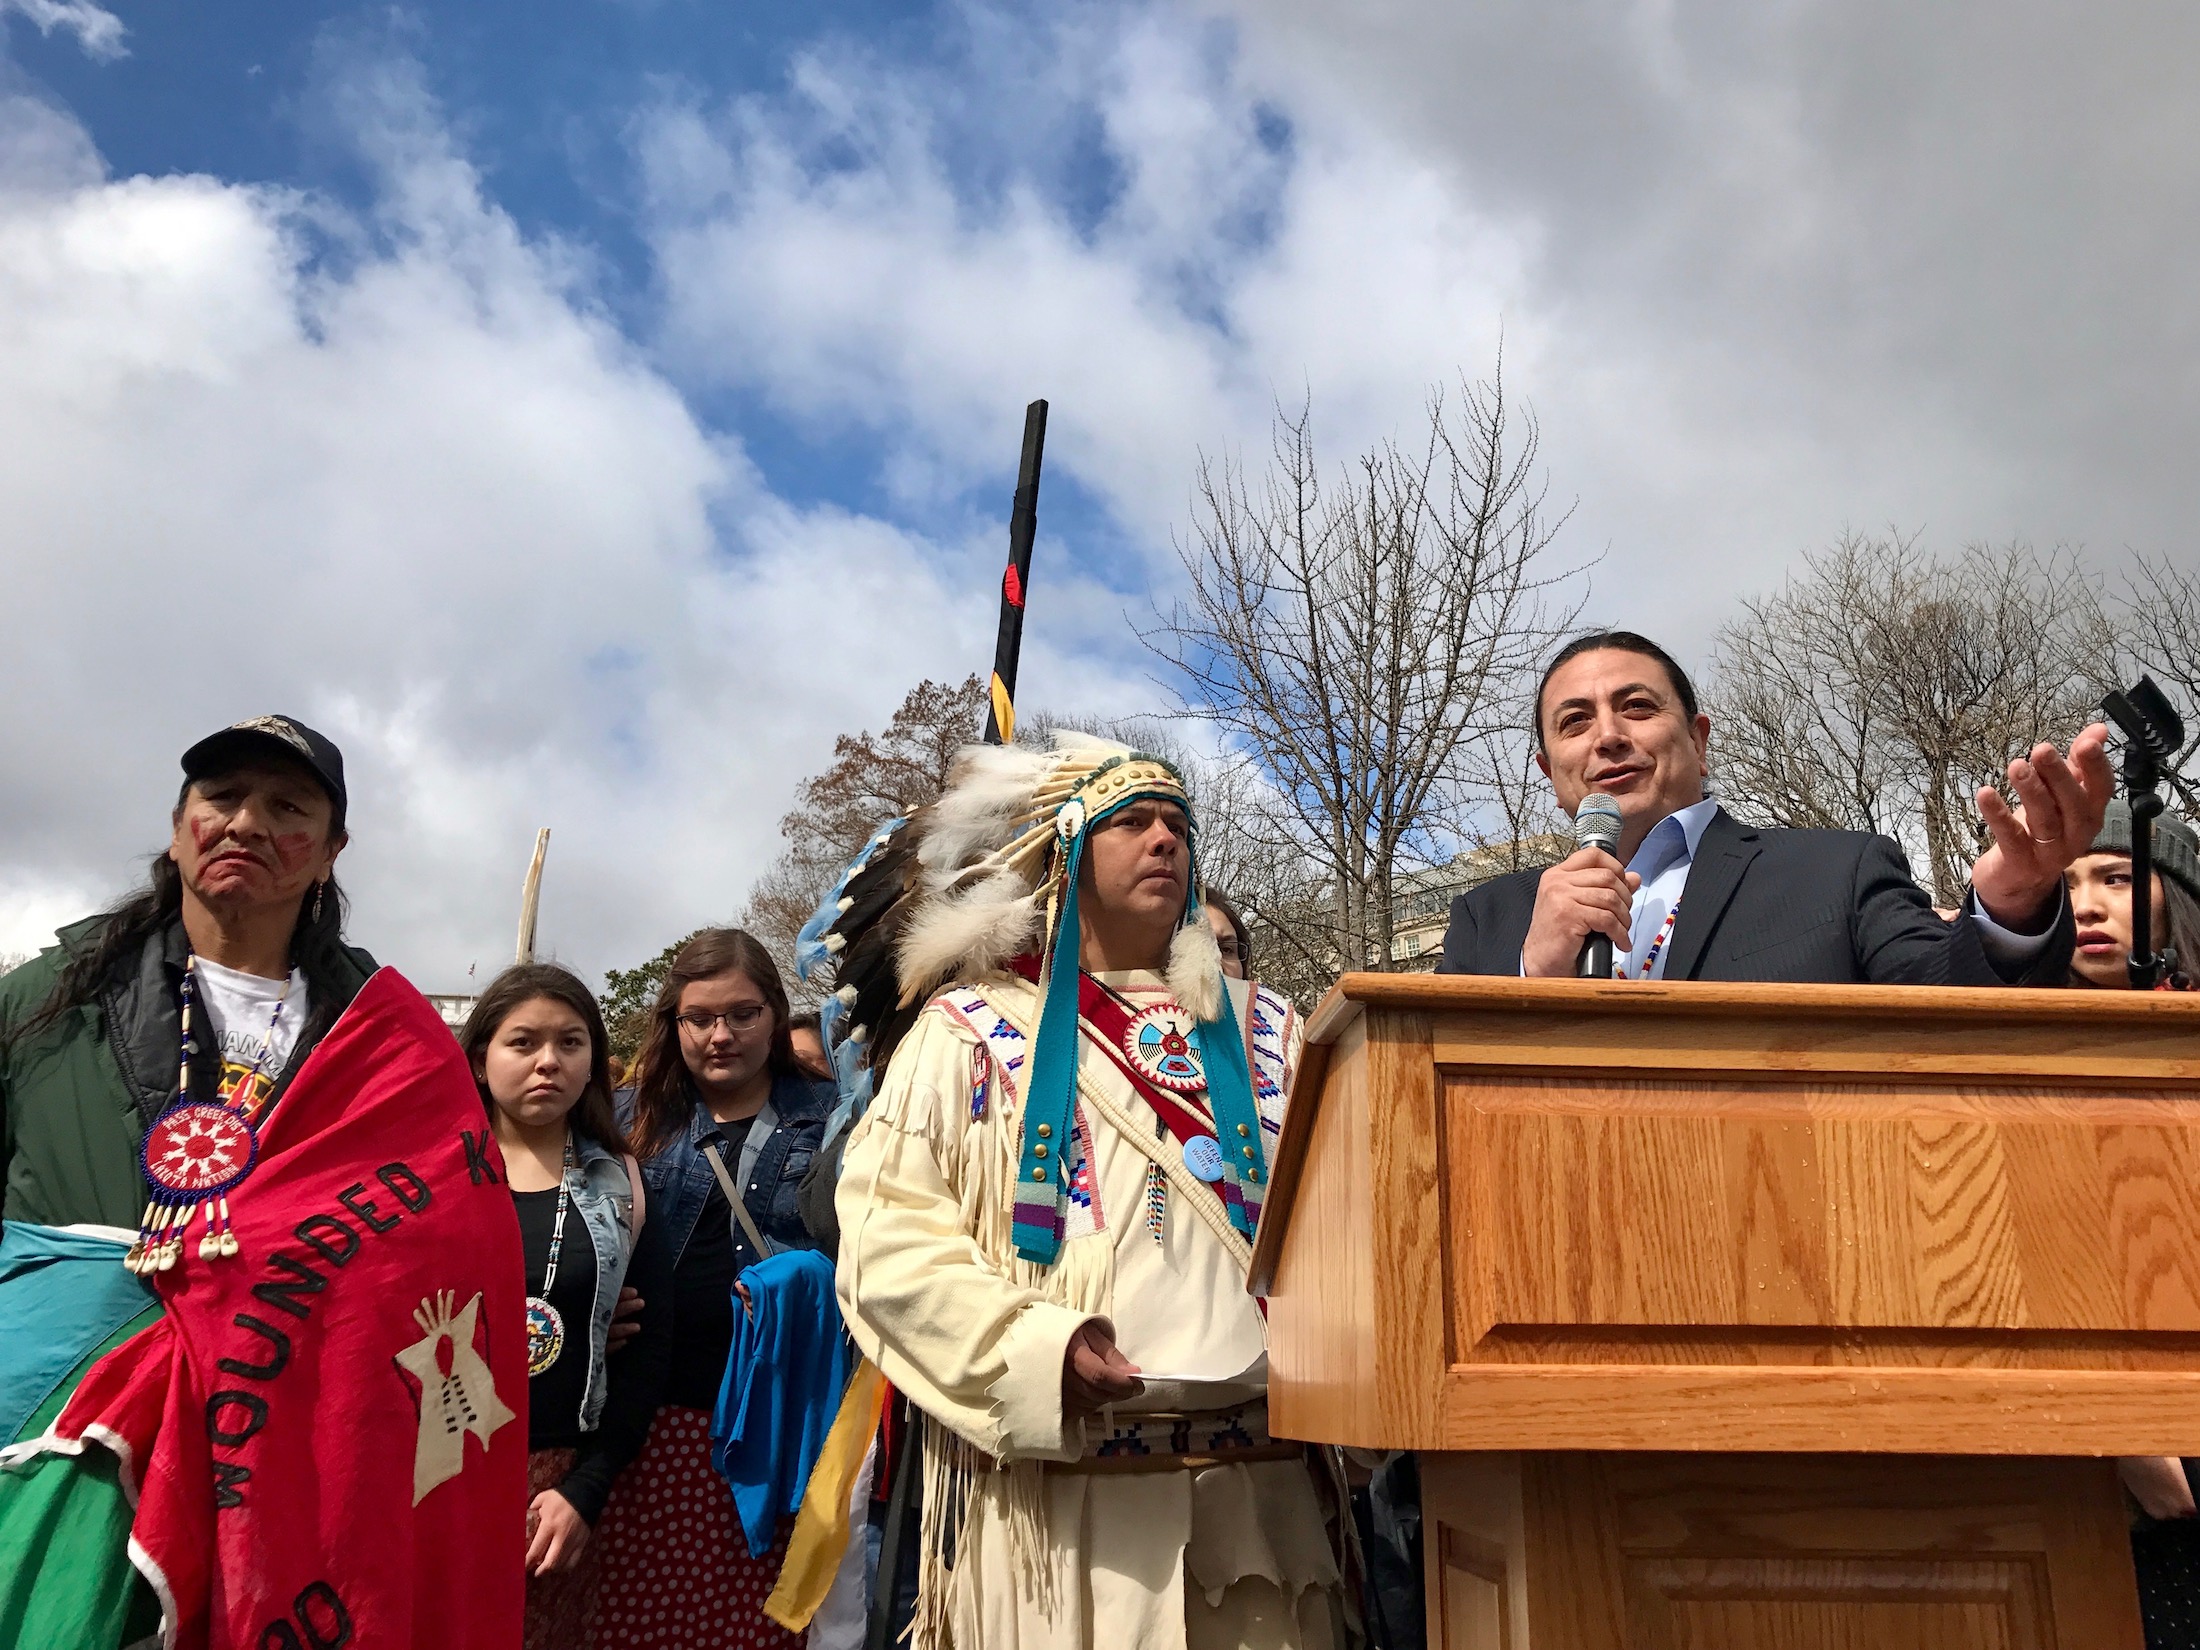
pixel 891 1601
pixel 1023 524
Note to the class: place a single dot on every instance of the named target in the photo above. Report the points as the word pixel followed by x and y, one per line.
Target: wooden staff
pixel 530 896
pixel 1023 524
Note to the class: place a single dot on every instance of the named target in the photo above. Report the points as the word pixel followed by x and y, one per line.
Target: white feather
pixel 1087 746
pixel 1195 970
pixel 963 935
pixel 989 786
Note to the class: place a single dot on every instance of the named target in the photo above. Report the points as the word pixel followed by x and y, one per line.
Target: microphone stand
pixel 2153 732
pixel 2142 776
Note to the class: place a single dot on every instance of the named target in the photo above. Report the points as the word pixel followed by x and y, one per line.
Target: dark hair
pixel 2181 919
pixel 812 1021
pixel 661 1089
pixel 524 983
pixel 316 942
pixel 1614 641
pixel 1222 902
pixel 2179 935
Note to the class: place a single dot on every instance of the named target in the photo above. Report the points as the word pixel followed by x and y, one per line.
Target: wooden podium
pixel 1765 1316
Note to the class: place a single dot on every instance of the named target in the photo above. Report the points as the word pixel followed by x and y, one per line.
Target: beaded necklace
pixel 198 1151
pixel 1650 957
pixel 545 1325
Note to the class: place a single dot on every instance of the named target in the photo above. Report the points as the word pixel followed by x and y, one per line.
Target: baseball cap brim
pixel 234 748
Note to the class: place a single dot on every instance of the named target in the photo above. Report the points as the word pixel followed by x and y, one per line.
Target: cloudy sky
pixel 584 409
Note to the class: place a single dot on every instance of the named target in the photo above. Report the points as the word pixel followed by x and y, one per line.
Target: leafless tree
pixel 2158 627
pixel 872 778
pixel 1880 687
pixel 1363 649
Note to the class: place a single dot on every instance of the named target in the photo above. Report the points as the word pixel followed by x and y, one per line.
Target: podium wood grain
pixel 1740 1217
pixel 1558 1551
pixel 1661 1249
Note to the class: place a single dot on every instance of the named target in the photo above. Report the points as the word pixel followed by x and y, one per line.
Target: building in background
pixel 454 1006
pixel 1424 897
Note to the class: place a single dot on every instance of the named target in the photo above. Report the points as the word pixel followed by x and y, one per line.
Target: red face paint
pixel 294 849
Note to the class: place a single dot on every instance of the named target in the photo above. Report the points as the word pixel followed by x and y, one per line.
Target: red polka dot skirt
pixel 676 1572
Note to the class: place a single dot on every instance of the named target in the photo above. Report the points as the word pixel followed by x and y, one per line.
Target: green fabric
pixel 69 1127
pixel 66 1580
pixel 68 1132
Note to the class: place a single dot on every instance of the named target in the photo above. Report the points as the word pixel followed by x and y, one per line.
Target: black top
pixel 554 1396
pixel 1763 903
pixel 702 1289
pixel 2165 1553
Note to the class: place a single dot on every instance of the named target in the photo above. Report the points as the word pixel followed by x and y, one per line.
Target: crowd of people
pixel 1027 1200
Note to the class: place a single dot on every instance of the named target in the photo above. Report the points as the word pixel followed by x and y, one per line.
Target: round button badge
pixel 1203 1157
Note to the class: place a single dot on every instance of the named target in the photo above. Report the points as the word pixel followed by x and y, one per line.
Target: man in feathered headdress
pixel 1047 1212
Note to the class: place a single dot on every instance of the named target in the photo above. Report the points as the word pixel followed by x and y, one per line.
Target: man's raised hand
pixel 2061 800
pixel 1588 892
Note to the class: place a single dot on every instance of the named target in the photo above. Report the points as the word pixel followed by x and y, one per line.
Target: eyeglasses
pixel 739 1018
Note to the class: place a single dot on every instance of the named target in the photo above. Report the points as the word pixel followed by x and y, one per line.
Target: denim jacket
pixel 773 1160
pixel 604 1199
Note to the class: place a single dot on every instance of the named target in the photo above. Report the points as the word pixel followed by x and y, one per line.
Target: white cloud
pixel 98 31
pixel 835 249
pixel 1806 263
pixel 1763 271
pixel 400 477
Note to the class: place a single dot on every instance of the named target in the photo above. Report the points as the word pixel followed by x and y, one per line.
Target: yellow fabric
pixel 820 1537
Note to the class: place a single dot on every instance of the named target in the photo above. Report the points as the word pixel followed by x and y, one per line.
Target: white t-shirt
pixel 239 1009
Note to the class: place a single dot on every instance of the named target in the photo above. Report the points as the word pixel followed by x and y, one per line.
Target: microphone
pixel 1596 825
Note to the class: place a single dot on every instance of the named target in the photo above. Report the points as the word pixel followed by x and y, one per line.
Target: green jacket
pixel 77 1095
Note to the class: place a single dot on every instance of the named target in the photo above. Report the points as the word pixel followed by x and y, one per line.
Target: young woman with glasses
pixel 718 1101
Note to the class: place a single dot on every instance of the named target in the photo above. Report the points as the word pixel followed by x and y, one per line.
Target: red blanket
pixel 329 1430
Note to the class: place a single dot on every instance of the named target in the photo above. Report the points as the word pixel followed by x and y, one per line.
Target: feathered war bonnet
pixel 990 872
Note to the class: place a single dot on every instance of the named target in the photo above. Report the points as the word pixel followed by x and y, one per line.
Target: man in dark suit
pixel 1694 894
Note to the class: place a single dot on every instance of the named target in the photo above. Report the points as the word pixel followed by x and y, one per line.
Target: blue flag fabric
pixel 790 1363
pixel 63 1291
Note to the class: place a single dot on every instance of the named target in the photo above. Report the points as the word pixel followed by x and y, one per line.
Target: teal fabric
pixel 789 1366
pixel 62 1293
pixel 66 1582
pixel 1230 1093
pixel 1043 1166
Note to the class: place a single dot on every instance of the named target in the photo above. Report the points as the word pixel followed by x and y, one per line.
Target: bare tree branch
pixel 1365 653
pixel 1880 688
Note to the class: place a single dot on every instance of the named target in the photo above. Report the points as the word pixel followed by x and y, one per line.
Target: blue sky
pixel 586 410
pixel 543 99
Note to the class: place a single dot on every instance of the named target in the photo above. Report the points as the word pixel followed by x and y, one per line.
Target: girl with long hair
pixel 2165 1537
pixel 2100 902
pixel 725 1122
pixel 539 1053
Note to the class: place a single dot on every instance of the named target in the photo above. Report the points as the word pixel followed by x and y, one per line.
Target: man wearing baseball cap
pixel 232 1276
pixel 219 976
pixel 240 924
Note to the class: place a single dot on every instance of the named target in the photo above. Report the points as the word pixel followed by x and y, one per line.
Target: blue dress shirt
pixel 1663 862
